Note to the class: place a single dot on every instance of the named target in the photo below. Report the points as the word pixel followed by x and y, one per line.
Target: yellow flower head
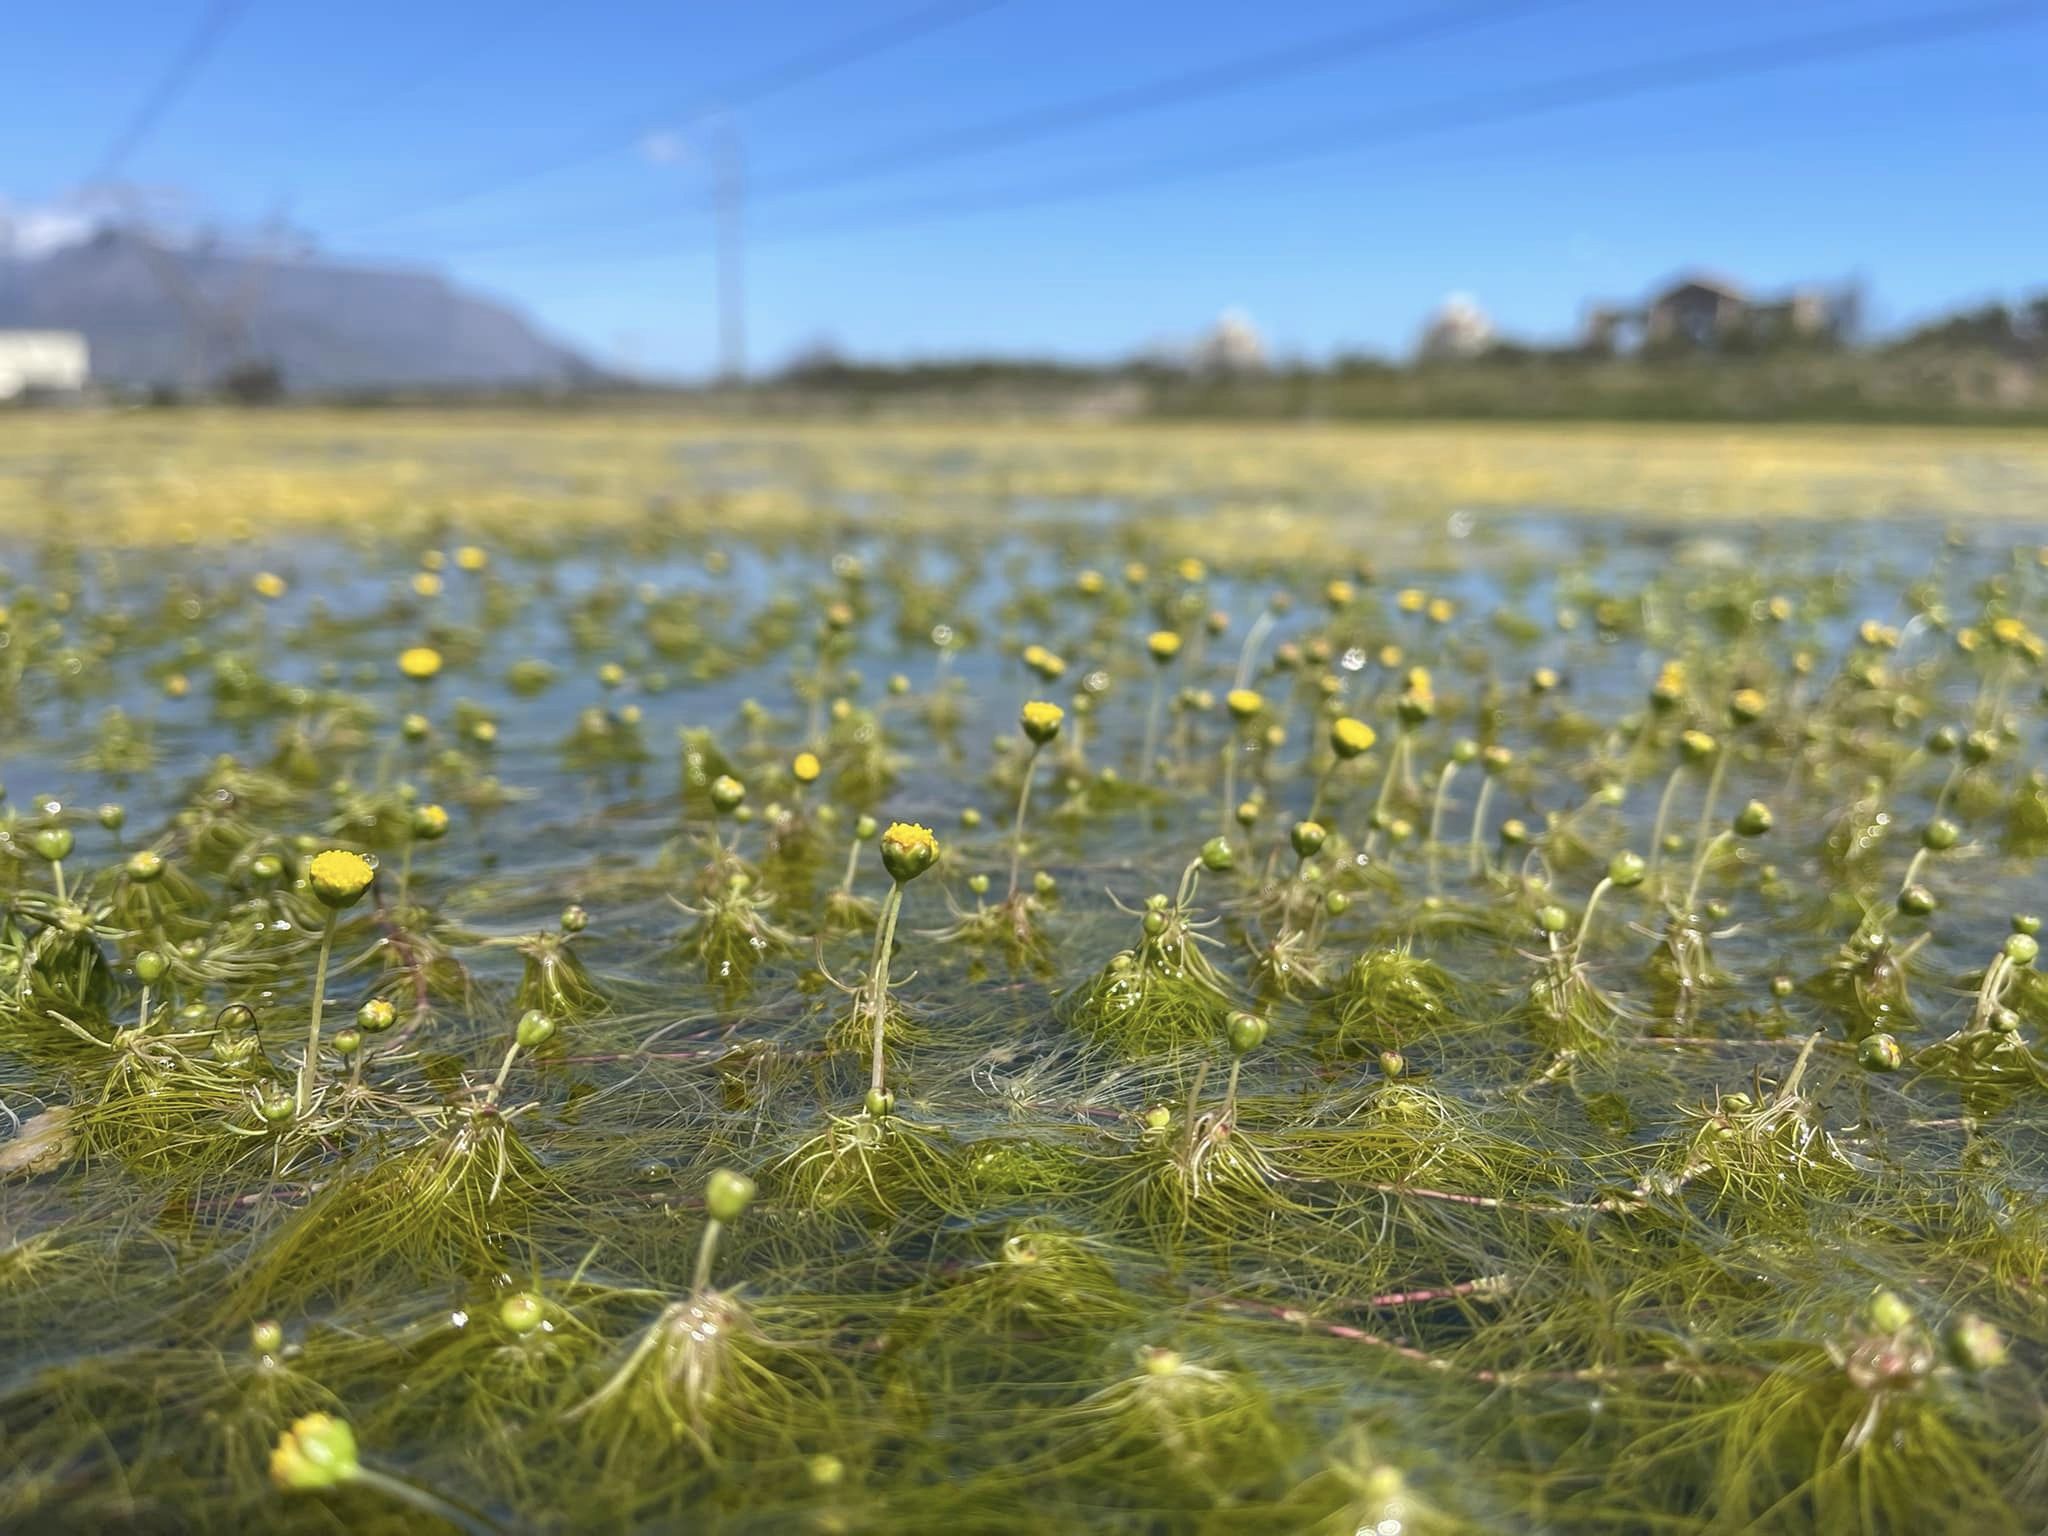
pixel 1191 569
pixel 1041 721
pixel 1338 592
pixel 1441 610
pixel 1164 645
pixel 1350 737
pixel 318 1451
pixel 1410 599
pixel 908 850
pixel 1089 583
pixel 1697 746
pixel 1244 703
pixel 1390 656
pixel 472 557
pixel 1135 573
pixel 339 877
pixel 420 662
pixel 268 584
pixel 426 584
pixel 1746 705
pixel 430 823
pixel 806 767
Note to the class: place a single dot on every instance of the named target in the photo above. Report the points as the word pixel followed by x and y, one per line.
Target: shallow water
pixel 1537 1272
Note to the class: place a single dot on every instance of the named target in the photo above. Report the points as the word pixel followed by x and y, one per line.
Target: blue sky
pixel 562 157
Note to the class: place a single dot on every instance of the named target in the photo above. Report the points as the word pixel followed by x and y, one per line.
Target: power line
pixel 1035 123
pixel 1590 88
pixel 802 68
pixel 184 67
pixel 1483 109
pixel 1175 90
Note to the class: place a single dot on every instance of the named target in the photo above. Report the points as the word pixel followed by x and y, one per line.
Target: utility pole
pixel 728 197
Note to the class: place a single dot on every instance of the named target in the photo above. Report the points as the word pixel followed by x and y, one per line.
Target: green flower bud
pixel 727 792
pixel 1626 870
pixel 150 966
pixel 376 1016
pixel 1916 901
pixel 574 918
pixel 1393 1064
pixel 145 866
pixel 727 1195
pixel 2022 949
pixel 1307 838
pixel 534 1029
pixel 266 1337
pixel 522 1312
pixel 1217 855
pixel 1887 1312
pixel 1247 1032
pixel 880 1103
pixel 1553 919
pixel 1940 835
pixel 1880 1053
pixel 113 817
pixel 53 843
pixel 1753 820
pixel 864 827
pixel 1336 904
pixel 1973 1344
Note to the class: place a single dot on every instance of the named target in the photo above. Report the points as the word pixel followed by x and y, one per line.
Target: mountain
pixel 157 315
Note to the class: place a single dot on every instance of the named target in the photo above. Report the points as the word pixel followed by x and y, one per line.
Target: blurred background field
pixel 1282 489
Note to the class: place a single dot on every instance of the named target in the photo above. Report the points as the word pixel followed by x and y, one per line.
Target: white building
pixel 1232 345
pixel 1458 329
pixel 47 362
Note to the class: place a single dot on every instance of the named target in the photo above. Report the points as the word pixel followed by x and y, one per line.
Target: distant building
pixel 1704 313
pixel 42 362
pixel 1232 345
pixel 1458 329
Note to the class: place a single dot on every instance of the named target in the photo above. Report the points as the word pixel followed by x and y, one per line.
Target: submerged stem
pixel 878 977
pixel 1017 831
pixel 309 1069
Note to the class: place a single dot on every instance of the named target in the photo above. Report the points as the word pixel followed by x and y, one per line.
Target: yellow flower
pixel 1191 569
pixel 1041 721
pixel 908 850
pixel 1164 645
pixel 1135 573
pixel 177 685
pixel 1338 592
pixel 1243 703
pixel 1350 737
pixel 339 877
pixel 1089 583
pixel 1390 656
pixel 430 823
pixel 267 584
pixel 806 767
pixel 420 662
pixel 1746 705
pixel 471 557
pixel 318 1451
pixel 426 584
pixel 1410 599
